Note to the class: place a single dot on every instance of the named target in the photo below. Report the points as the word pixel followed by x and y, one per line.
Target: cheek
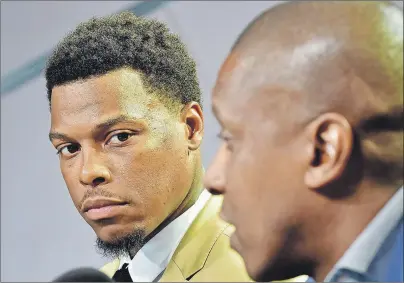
pixel 154 177
pixel 258 187
pixel 140 171
pixel 254 202
pixel 246 183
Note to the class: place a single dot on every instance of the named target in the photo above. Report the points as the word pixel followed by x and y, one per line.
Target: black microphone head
pixel 83 274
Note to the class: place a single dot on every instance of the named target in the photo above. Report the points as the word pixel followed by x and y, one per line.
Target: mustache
pixel 92 193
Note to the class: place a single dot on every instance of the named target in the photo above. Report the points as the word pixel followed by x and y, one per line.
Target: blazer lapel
pixel 193 250
pixel 110 268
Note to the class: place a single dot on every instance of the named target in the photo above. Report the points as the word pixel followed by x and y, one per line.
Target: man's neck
pixel 343 222
pixel 190 199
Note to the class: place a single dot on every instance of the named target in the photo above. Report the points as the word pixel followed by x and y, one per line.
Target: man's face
pixel 258 167
pixel 120 146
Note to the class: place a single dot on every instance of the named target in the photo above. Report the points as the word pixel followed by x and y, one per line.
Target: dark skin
pixel 290 98
pixel 119 140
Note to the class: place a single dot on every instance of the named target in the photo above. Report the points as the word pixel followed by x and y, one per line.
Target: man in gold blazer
pixel 127 125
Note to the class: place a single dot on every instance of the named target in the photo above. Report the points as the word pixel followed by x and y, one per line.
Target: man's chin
pixel 117 245
pixel 254 273
pixel 112 233
pixel 261 269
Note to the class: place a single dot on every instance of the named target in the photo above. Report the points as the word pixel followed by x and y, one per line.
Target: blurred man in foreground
pixel 127 125
pixel 310 101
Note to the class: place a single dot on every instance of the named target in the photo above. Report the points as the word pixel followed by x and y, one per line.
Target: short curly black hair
pixel 124 40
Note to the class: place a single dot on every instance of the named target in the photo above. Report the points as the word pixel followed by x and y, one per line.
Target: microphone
pixel 83 274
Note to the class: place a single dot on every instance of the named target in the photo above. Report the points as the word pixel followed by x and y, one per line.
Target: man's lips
pixel 102 208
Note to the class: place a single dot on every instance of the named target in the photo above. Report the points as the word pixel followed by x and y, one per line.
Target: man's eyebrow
pixel 58 136
pixel 116 120
pixel 103 125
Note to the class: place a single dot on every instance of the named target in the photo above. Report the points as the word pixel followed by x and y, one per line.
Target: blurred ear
pixel 331 147
pixel 192 116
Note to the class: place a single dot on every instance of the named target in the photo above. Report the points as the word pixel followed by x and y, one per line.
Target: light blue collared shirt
pixel 377 254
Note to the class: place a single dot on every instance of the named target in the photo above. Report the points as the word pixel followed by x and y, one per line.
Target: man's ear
pixel 192 116
pixel 331 144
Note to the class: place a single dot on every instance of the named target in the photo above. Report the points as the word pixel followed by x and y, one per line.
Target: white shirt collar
pixel 151 260
pixel 361 253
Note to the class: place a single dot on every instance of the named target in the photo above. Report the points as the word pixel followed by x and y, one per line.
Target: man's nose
pixel 215 177
pixel 93 172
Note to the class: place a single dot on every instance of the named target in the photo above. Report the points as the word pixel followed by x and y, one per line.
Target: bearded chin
pixel 121 246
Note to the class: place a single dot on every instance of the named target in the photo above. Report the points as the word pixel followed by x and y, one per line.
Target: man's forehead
pixel 99 97
pixel 237 62
pixel 232 76
pixel 231 90
pixel 231 62
pixel 117 84
pixel 254 86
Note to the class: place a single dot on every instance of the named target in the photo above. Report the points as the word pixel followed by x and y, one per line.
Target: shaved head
pixel 310 101
pixel 345 57
pixel 365 34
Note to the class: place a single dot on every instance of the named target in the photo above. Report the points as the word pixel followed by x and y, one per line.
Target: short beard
pixel 122 246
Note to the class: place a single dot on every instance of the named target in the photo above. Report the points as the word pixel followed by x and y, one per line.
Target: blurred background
pixel 42 235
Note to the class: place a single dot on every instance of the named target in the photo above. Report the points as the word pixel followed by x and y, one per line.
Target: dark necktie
pixel 122 275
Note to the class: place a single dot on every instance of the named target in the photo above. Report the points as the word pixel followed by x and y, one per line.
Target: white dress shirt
pixel 152 259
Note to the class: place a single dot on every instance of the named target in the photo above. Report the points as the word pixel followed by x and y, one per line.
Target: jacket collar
pixel 193 250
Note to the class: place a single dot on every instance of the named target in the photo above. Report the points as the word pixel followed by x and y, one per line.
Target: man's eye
pixel 120 137
pixel 69 149
pixel 227 141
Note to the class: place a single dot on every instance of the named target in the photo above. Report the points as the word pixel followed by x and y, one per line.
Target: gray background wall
pixel 42 235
